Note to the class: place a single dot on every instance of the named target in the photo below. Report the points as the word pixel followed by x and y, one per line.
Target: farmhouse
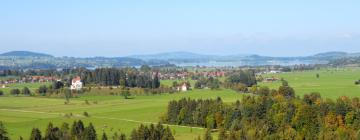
pixel 76 83
pixel 183 87
pixel 271 79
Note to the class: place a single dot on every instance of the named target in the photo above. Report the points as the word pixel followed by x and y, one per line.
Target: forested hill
pixel 25 54
pixel 32 60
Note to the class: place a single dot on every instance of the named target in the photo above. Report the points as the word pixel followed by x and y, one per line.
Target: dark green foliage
pixel 26 91
pixel 271 115
pixel 1 92
pixel 211 83
pixel 77 129
pixel 3 132
pixel 126 77
pixel 15 92
pixel 125 93
pixel 156 81
pixel 42 89
pixel 151 132
pixel 104 137
pixel 244 77
pixel 89 133
pixel 52 133
pixel 35 134
pixel 145 68
pixel 57 85
pixel 63 133
pixel 119 137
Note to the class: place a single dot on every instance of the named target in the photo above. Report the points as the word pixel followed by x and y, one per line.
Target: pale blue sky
pixel 120 28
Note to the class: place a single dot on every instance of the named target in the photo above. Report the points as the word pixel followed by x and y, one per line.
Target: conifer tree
pixel 3 132
pixel 35 134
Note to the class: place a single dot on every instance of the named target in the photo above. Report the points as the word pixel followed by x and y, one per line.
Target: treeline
pixel 212 83
pixel 127 77
pixel 78 131
pixel 273 114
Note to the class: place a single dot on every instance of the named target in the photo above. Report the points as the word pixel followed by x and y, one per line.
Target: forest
pixel 271 114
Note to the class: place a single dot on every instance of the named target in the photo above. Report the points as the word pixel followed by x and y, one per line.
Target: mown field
pixel 109 114
pixel 332 83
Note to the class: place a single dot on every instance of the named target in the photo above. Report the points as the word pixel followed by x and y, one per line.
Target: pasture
pixel 107 113
pixel 111 113
pixel 332 83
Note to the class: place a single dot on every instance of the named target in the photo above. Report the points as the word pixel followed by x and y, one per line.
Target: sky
pixel 84 28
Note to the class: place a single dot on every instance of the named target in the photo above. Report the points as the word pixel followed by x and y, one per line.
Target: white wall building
pixel 76 84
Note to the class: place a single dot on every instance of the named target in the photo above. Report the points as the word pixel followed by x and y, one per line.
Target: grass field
pixel 32 86
pixel 331 84
pixel 111 113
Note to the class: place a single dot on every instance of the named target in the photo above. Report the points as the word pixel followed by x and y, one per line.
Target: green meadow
pixel 107 113
pixel 332 83
pixel 114 113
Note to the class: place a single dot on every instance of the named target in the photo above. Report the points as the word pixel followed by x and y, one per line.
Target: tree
pixel 125 93
pixel 1 93
pixel 67 95
pixel 286 91
pixel 35 134
pixel 156 81
pixel 77 129
pixel 57 85
pixel 90 133
pixel 15 92
pixel 207 135
pixel 244 77
pixel 26 91
pixel 3 132
pixel 43 89
pixel 317 75
pixel 145 68
pixel 65 131
pixel 52 133
pixel 222 134
pixel 104 137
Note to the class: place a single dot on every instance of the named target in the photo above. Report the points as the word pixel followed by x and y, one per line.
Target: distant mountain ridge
pixel 34 60
pixel 25 54
pixel 173 55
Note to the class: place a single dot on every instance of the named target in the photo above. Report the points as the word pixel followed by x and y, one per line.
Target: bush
pixel 15 91
pixel 26 91
pixel 357 82
pixel 1 93
pixel 86 114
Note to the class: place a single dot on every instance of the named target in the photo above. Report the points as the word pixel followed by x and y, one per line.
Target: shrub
pixel 357 82
pixel 15 91
pixel 86 114
pixel 1 93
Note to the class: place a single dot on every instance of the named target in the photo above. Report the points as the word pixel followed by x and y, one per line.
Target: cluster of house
pixel 271 79
pixel 28 79
pixel 76 83
pixel 213 74
pixel 173 75
pixel 182 75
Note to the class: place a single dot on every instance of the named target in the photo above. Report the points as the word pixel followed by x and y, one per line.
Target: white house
pixel 76 83
pixel 182 87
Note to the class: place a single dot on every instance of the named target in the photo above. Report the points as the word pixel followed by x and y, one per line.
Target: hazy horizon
pixel 123 28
